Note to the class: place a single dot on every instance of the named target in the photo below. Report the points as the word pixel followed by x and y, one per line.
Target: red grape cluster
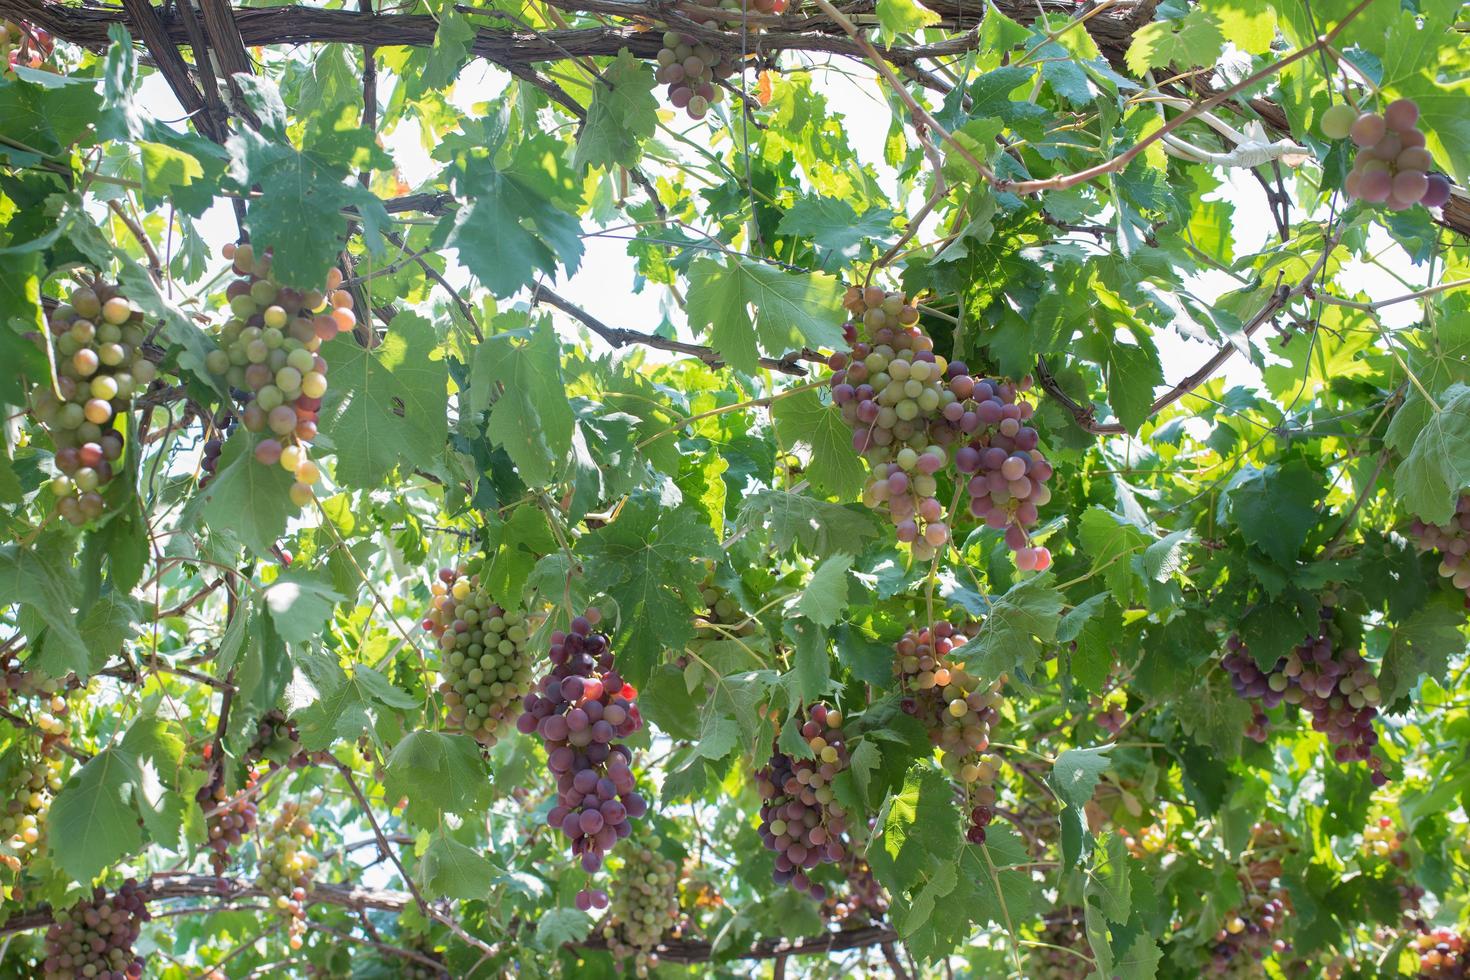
pixel 25 44
pixel 484 655
pixel 862 902
pixel 1332 683
pixel 582 706
pixel 277 742
pixel 1442 955
pixel 1392 164
pixel 957 712
pixel 269 354
pixel 229 819
pixel 1248 935
pixel 1111 711
pixel 100 365
pixel 800 819
pixel 908 406
pixel 95 938
pixel 690 67
pixel 1061 930
pixel 645 905
pixel 1451 540
pixel 287 867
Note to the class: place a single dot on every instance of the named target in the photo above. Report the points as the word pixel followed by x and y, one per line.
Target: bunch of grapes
pixel 862 902
pixel 1451 540
pixel 689 68
pixel 1333 684
pixel 277 741
pixel 1149 841
pixel 908 406
pixel 891 391
pixel 269 355
pixel 28 787
pixel 1392 163
pixel 484 660
pixel 800 819
pixel 1441 955
pixel 26 45
pixel 721 609
pixel 645 905
pixel 956 711
pixel 1248 935
pixel 1380 840
pixel 48 693
pixel 581 707
pixel 95 938
pixel 213 447
pixel 1112 711
pixel 1008 473
pixel 1061 930
pixel 229 819
pixel 287 867
pixel 100 365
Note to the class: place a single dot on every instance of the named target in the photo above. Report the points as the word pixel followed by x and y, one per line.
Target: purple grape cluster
pixel 1334 685
pixel 913 413
pixel 1248 935
pixel 213 447
pixel 1451 540
pixel 800 819
pixel 95 938
pixel 583 704
pixel 1392 164
pixel 863 901
pixel 690 68
pixel 229 819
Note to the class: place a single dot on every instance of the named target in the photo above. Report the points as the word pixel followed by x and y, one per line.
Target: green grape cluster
pixel 721 609
pixel 97 338
pixel 644 905
pixel 27 785
pixel 269 355
pixel 287 867
pixel 485 660
pixel 95 938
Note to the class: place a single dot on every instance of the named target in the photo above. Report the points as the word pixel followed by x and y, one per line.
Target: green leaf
pixel 43 581
pixel 1194 41
pixel 792 310
pixel 299 603
pixel 386 407
pixel 919 831
pixel 1110 881
pixel 350 709
pixel 812 662
pixel 903 17
pixel 1110 540
pixel 437 773
pixel 449 869
pixel 825 596
pixel 650 563
pixel 95 816
pixel 560 926
pixel 166 167
pixel 47 112
pixel 1094 626
pixel 454 40
pixel 804 420
pixel 622 115
pixel 531 417
pixel 1276 507
pixel 832 226
pixel 1012 624
pixel 819 528
pixel 105 626
pixel 1075 774
pixel 1132 371
pixel 1422 644
pixel 299 213
pixel 1434 471
pixel 247 497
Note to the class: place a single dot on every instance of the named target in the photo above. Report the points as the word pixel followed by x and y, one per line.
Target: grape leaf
pixel 531 417
pixel 1110 540
pixel 386 407
pixel 1193 41
pixel 832 226
pixel 299 213
pixel 623 114
pixel 1438 466
pixel 299 602
pixel 1011 624
pixel 42 579
pixel 803 420
pixel 247 497
pixel 650 563
pixel 449 869
pixel 1075 774
pixel 94 816
pixel 1276 507
pixel 792 310
pixel 818 527
pixel 47 111
pixel 918 831
pixel 825 595
pixel 1110 882
pixel 903 17
pixel 350 709
pixel 1422 644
